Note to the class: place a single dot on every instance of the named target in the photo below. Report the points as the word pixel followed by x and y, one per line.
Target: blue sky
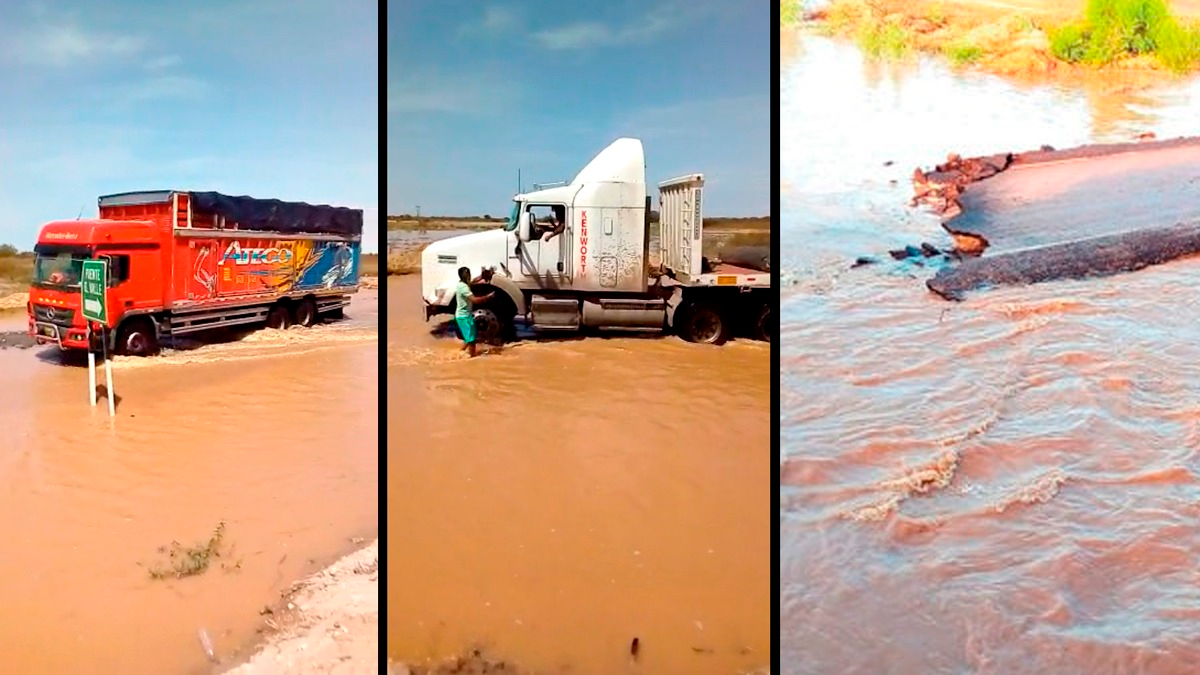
pixel 477 90
pixel 271 98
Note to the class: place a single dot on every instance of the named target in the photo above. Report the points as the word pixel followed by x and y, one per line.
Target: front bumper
pixel 66 337
pixel 435 306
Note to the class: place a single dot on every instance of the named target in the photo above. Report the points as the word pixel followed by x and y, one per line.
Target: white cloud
pixel 497 21
pixel 166 86
pixel 163 62
pixel 590 34
pixel 684 118
pixel 67 44
pixel 471 93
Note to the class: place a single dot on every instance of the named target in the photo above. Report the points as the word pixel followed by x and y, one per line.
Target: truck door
pixel 542 260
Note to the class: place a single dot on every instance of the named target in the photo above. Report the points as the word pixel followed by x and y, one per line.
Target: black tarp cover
pixel 273 215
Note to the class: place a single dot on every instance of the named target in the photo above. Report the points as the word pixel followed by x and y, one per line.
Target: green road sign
pixel 91 287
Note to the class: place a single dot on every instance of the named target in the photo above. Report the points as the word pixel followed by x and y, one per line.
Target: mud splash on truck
pixel 560 498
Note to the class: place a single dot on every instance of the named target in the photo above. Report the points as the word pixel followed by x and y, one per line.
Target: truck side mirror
pixel 523 226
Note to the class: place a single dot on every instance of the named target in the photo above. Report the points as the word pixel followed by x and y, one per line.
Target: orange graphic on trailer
pixel 233 267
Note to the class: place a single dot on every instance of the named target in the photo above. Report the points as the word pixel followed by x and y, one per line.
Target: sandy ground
pixel 15 300
pixel 328 623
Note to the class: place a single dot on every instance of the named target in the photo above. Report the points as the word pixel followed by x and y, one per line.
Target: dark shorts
pixel 466 326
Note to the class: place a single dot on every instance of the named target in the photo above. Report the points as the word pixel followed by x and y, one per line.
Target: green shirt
pixel 462 293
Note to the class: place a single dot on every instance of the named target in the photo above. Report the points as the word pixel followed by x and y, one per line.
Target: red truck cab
pixel 134 251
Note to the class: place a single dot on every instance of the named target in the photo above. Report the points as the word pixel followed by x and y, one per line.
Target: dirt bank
pixel 405 259
pixel 1011 38
pixel 328 623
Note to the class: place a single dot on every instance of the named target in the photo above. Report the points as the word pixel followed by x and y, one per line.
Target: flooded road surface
pixel 275 435
pixel 557 500
pixel 1009 484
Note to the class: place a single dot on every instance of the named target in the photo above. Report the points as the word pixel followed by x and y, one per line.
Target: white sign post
pixel 112 405
pixel 93 292
pixel 91 368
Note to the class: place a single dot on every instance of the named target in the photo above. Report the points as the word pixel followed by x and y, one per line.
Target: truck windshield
pixel 512 217
pixel 59 268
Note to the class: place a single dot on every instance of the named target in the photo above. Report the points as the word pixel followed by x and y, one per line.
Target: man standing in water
pixel 466 301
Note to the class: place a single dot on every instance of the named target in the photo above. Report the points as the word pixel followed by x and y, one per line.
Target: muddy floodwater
pixel 1007 484
pixel 276 435
pixel 553 502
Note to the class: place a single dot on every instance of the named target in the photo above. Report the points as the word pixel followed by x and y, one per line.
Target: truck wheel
pixel 279 318
pixel 136 338
pixel 306 313
pixel 499 320
pixel 764 328
pixel 336 314
pixel 703 324
pixel 489 328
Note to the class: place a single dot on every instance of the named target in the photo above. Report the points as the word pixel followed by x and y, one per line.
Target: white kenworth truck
pixel 577 256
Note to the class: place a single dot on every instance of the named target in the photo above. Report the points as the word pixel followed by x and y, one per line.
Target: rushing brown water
pixel 1004 485
pixel 555 501
pixel 276 435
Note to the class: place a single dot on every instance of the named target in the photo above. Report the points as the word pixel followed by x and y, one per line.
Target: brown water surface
pixel 556 500
pixel 275 434
pixel 1005 485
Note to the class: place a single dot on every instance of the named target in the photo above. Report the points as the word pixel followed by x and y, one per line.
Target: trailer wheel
pixel 336 314
pixel 306 313
pixel 703 324
pixel 136 338
pixel 279 318
pixel 764 328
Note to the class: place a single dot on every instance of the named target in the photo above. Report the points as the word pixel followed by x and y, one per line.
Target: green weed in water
pixel 187 561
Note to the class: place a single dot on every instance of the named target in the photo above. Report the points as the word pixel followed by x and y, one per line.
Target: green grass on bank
pixel 1116 29
pixel 790 12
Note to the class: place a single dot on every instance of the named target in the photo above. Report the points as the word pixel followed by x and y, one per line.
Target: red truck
pixel 185 262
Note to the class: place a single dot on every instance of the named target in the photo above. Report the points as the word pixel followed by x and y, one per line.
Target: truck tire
pixel 306 313
pixel 336 314
pixel 136 337
pixel 703 323
pixel 279 318
pixel 489 327
pixel 498 321
pixel 764 327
